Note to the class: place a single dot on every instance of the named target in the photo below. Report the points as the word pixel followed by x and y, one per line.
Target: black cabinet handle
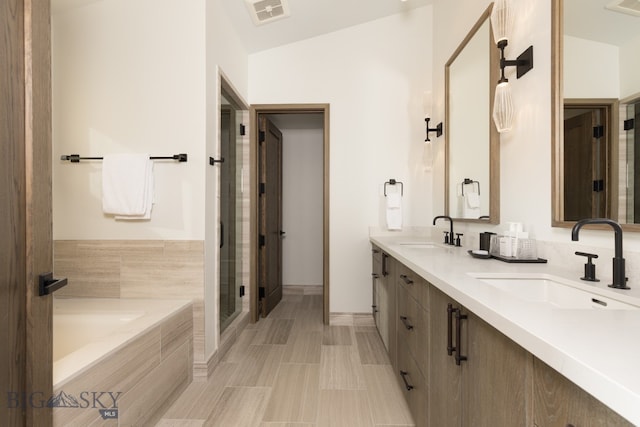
pixel 408 386
pixel 459 317
pixel 406 279
pixel 450 347
pixel 406 323
pixel 385 273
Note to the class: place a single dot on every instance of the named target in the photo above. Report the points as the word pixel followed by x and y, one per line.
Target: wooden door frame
pixel 255 110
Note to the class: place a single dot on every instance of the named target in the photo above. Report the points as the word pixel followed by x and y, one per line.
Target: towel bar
pixel 75 158
pixel 393 182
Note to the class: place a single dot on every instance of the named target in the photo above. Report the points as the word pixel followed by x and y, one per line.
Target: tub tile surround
pixel 564 339
pixel 136 269
pixel 149 371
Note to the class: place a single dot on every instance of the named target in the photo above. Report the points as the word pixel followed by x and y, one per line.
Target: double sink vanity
pixel 480 342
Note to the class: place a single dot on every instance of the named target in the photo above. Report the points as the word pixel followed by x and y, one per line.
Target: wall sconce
pixel 501 22
pixel 426 104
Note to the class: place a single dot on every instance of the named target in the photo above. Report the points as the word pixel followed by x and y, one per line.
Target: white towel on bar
pixel 127 186
pixel 394 211
pixel 470 203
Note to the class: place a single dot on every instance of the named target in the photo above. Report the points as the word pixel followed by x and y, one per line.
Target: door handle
pixel 282 233
pixel 408 386
pixel 47 284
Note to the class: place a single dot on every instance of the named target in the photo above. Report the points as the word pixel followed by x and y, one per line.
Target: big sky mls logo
pixel 106 402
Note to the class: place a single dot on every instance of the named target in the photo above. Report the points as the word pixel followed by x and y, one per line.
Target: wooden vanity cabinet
pixel 560 403
pixel 488 384
pixel 384 299
pixel 413 341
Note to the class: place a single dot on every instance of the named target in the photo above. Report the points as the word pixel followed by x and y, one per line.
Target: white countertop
pixel 599 350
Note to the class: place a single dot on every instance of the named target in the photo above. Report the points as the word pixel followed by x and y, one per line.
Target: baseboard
pixel 351 319
pixel 302 289
pixel 203 370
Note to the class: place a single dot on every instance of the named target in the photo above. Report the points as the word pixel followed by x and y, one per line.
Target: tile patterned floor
pixel 290 370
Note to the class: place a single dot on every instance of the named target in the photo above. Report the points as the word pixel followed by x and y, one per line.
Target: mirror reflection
pixel 471 179
pixel 596 154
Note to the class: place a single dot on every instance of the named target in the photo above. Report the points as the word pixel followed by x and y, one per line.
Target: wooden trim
pixel 494 136
pixel 255 110
pixel 557 114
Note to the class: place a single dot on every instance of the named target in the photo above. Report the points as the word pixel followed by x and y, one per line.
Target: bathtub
pixel 102 344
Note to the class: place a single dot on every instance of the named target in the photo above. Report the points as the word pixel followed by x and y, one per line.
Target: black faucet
pixel 619 278
pixel 449 239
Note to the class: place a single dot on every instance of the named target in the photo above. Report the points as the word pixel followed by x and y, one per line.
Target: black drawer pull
pixel 405 323
pixel 408 386
pixel 450 347
pixel 459 317
pixel 406 279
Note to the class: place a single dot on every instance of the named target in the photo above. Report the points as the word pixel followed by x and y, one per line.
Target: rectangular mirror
pixel 596 89
pixel 472 155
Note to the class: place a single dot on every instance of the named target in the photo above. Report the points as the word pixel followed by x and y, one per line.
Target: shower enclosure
pixel 232 142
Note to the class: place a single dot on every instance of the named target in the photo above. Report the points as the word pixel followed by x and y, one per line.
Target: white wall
pixel 302 197
pixel 373 76
pixel 629 66
pixel 582 68
pixel 123 83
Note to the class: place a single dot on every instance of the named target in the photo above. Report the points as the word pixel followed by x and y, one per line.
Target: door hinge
pixel 263 188
pixel 243 129
pixel 598 131
pixel 261 136
pixel 598 185
pixel 629 124
pixel 241 291
pixel 261 240
pixel 262 292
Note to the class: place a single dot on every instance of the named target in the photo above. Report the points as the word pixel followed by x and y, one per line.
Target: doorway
pixel 588 160
pixel 265 254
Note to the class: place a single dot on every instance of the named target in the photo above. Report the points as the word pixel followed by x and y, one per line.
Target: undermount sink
pixel 418 245
pixel 554 291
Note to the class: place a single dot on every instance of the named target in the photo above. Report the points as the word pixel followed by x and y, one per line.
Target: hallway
pixel 291 370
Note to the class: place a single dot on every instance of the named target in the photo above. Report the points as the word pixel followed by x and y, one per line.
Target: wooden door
pixel 445 400
pixel 25 213
pixel 270 215
pixel 496 378
pixel 585 165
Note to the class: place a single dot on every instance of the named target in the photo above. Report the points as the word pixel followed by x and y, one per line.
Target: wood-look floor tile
pixel 180 423
pixel 340 368
pixel 239 407
pixel 274 331
pixel 285 309
pixel 238 350
pixel 288 425
pixel 294 397
pixel 303 347
pixel 308 320
pixel 344 408
pixel 388 405
pixel 260 366
pixel 337 335
pixel 371 349
pixel 200 397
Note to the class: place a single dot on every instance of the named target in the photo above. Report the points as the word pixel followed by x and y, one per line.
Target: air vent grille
pixel 629 7
pixel 264 11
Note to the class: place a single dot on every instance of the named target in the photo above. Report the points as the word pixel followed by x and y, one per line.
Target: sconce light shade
pixel 503 107
pixel 501 20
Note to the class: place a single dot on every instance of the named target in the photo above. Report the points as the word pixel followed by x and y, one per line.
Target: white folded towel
pixel 470 205
pixel 127 186
pixel 394 211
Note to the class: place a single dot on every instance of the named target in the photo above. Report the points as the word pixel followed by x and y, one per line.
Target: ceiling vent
pixel 629 7
pixel 264 11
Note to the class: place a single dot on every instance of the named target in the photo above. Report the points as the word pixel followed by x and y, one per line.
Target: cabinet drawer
pixel 414 387
pixel 413 328
pixel 412 282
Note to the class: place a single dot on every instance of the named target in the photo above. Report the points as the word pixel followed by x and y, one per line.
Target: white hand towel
pixel 473 200
pixel 470 205
pixel 127 185
pixel 394 211
pixel 149 198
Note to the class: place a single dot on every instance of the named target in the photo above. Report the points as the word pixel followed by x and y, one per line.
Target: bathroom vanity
pixel 484 343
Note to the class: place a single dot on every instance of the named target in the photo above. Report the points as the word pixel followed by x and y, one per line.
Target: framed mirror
pixel 595 103
pixel 472 154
